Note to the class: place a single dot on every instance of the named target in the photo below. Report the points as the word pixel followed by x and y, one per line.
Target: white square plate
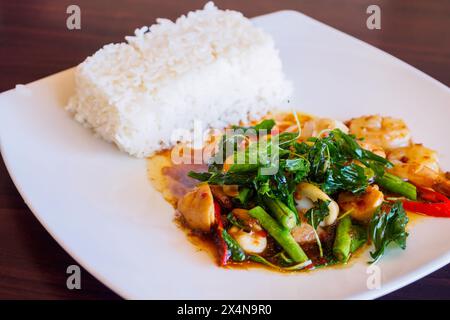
pixel 98 204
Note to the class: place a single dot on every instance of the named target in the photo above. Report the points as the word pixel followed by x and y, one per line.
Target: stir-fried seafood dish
pixel 317 191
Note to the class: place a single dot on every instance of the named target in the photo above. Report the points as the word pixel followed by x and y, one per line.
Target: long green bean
pixel 282 236
pixel 395 184
pixel 282 213
pixel 343 240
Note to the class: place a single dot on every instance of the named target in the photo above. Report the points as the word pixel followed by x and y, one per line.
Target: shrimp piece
pixel 386 132
pixel 286 122
pixel 379 151
pixel 419 165
pixel 362 206
pixel 319 126
pixel 311 126
pixel 253 240
pixel 415 154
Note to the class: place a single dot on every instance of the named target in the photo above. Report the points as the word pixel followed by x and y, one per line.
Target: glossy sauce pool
pixel 171 179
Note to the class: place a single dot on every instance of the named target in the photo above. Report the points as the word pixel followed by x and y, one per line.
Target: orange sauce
pixel 171 179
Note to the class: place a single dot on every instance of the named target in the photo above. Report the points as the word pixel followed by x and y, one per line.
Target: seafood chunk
pixel 304 233
pixel 313 193
pixel 387 132
pixel 378 150
pixel 197 208
pixel 252 238
pixel 321 126
pixel 362 206
pixel 419 165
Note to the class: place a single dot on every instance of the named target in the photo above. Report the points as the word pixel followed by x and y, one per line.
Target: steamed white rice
pixel 211 65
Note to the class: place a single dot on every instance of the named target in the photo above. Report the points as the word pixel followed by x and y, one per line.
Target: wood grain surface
pixel 35 42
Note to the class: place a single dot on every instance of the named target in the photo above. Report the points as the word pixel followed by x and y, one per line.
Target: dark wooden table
pixel 35 42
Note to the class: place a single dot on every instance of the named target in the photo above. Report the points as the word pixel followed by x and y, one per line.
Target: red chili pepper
pixel 439 205
pixel 218 214
pixel 224 253
pixel 431 195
